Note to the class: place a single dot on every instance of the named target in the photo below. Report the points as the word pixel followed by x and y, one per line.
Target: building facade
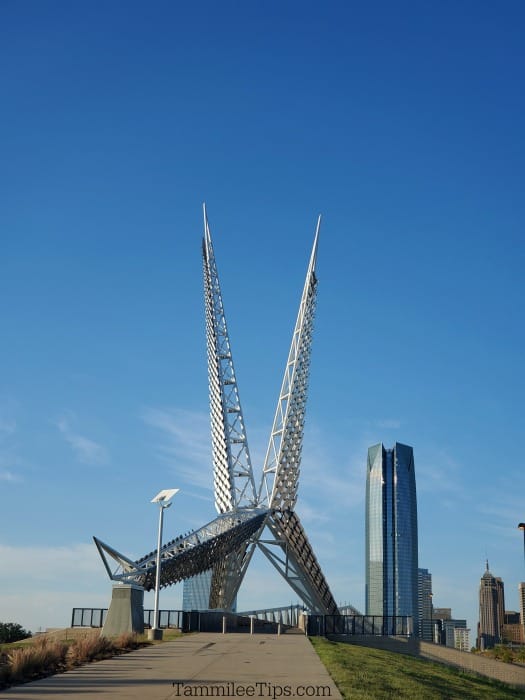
pixel 196 592
pixel 461 638
pixel 391 533
pixel 449 631
pixel 491 610
pixel 424 604
pixel 521 593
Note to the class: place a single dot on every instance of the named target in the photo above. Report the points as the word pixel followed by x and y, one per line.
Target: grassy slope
pixel 372 674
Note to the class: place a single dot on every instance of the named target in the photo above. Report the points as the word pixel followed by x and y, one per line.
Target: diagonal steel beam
pixel 280 478
pixel 234 484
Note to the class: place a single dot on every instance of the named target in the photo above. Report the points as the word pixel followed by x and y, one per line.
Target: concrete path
pixel 197 665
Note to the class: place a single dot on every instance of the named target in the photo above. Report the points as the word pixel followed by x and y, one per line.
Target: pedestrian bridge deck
pixel 195 665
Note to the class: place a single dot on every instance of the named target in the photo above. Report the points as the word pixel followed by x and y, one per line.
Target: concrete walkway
pixel 231 665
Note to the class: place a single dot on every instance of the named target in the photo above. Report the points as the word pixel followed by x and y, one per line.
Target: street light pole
pixel 163 499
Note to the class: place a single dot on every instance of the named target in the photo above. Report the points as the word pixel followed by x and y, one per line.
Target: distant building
pixel 445 629
pixel 443 613
pixel 491 611
pixel 513 633
pixel 196 592
pixel 521 592
pixel 424 604
pixel 449 631
pixel 391 533
pixel 461 638
pixel 512 627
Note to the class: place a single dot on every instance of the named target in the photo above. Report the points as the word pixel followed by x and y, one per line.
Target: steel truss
pixel 226 545
pixel 297 562
pixel 233 480
pixel 188 555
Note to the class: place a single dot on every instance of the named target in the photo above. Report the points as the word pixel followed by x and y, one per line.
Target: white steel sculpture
pixel 234 485
pixel 286 546
pixel 247 517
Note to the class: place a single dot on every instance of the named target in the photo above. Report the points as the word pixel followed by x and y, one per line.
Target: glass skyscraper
pixel 424 605
pixel 391 533
pixel 196 591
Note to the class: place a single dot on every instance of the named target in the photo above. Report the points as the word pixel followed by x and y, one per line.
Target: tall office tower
pixel 391 533
pixel 491 610
pixel 501 605
pixel 424 604
pixel 521 593
pixel 196 592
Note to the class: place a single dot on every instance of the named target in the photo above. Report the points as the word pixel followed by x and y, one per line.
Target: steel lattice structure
pixel 248 517
pixel 187 555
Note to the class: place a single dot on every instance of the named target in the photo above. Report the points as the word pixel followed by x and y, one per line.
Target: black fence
pixel 219 620
pixel 394 626
pixel 88 617
pixel 95 617
pixel 168 619
pixel 185 620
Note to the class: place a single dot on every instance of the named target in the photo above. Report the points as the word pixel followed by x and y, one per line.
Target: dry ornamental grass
pixel 46 656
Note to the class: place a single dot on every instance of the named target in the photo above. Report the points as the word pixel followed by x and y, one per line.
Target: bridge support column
pixel 126 612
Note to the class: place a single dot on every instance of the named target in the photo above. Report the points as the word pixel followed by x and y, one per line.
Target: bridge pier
pixel 126 612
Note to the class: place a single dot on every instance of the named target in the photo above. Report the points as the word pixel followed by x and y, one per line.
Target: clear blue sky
pixel 403 124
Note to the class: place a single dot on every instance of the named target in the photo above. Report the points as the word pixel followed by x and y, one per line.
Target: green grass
pixel 171 634
pixel 362 673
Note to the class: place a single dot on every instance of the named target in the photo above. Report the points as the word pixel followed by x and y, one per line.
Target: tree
pixel 12 632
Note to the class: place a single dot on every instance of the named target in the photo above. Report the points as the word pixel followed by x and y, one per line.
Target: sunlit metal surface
pixel 187 555
pixel 248 517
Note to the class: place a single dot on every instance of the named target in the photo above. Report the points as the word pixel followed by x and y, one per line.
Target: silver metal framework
pixel 286 544
pixel 234 484
pixel 280 478
pixel 245 514
pixel 187 555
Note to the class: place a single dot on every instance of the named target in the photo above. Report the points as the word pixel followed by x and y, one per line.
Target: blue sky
pixel 402 123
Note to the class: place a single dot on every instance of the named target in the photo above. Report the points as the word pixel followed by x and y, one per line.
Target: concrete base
pixel 126 612
pixel 155 635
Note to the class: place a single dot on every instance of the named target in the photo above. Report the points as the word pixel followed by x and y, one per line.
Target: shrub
pixel 520 655
pixel 502 653
pixel 12 632
pixel 24 663
pixel 90 648
pixel 39 659
pixel 4 670
pixel 128 640
pixel 45 656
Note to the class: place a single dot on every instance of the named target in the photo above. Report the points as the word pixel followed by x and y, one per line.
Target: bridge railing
pixel 185 620
pixel 286 614
pixel 213 621
pixel 95 617
pixel 375 625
